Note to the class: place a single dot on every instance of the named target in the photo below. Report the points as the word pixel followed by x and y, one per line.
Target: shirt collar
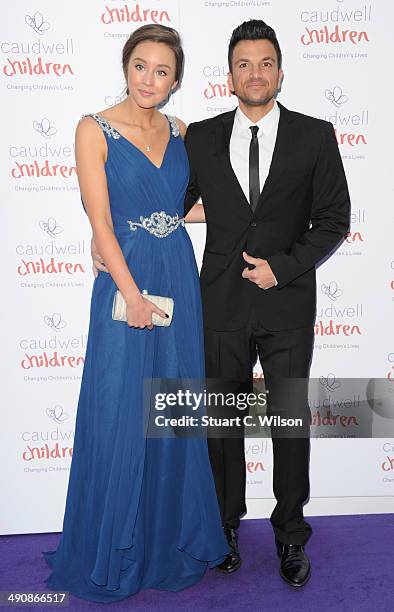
pixel 266 123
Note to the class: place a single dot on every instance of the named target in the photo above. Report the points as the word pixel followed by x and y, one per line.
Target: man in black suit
pixel 276 202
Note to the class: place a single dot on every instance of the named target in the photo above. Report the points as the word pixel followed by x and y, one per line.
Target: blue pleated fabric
pixel 140 512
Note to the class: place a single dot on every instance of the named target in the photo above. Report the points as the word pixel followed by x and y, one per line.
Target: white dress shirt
pixel 240 143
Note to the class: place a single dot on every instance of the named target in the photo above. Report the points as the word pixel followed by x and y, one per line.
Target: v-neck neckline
pixel 138 149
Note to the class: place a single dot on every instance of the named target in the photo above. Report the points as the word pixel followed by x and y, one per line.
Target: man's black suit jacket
pixel 302 214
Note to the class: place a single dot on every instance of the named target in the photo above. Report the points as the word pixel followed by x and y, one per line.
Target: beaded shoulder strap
pixel 174 125
pixel 112 133
pixel 105 126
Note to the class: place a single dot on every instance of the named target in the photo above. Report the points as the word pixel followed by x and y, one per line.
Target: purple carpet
pixel 352 571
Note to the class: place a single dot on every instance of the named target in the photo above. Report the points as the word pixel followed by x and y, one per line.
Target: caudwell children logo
pixel 45 157
pixel 37 23
pixel 334 406
pixel 386 463
pixel 350 125
pixel 215 82
pixel 215 93
pixel 45 128
pixel 355 239
pixel 39 56
pixel 57 414
pixel 357 234
pixel 329 382
pixel 50 227
pixel 334 317
pixel 336 97
pixel 39 259
pixel 52 350
pixel 138 13
pixel 45 445
pixel 331 290
pixel 55 322
pixel 341 26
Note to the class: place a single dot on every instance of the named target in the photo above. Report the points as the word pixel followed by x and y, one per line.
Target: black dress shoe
pixel 295 567
pixel 232 561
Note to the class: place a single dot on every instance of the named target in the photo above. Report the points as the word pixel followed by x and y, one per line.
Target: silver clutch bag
pixel 165 303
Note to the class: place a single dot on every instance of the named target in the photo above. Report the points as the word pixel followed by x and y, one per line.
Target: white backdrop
pixel 60 60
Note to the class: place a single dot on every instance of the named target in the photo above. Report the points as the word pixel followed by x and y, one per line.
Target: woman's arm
pixel 90 153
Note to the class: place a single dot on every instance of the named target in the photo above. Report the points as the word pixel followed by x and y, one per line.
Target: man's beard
pixel 260 102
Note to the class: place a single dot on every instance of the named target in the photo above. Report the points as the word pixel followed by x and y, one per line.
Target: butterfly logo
pixel 329 382
pixel 332 291
pixel 336 96
pixel 57 414
pixel 50 227
pixel 37 23
pixel 55 322
pixel 44 128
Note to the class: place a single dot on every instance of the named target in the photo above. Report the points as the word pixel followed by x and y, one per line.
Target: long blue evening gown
pixel 140 512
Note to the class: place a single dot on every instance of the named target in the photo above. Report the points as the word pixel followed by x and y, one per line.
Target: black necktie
pixel 254 178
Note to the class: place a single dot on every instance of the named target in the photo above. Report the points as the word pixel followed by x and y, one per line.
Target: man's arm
pixel 330 215
pixel 193 190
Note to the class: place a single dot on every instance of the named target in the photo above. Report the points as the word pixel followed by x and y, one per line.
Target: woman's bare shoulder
pixel 88 127
pixel 182 126
pixel 89 137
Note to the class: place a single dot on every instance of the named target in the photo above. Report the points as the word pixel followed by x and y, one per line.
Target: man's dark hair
pixel 255 29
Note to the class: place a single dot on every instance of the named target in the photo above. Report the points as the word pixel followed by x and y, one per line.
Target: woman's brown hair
pixel 155 33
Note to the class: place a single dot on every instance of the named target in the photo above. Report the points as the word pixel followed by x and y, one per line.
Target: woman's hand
pixel 98 263
pixel 139 313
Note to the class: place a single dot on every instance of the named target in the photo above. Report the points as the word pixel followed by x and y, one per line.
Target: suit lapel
pixel 280 153
pixel 279 156
pixel 222 151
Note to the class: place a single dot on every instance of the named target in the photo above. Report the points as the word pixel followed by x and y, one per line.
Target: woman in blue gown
pixel 140 512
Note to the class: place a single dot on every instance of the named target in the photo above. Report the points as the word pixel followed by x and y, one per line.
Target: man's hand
pixel 261 275
pixel 98 263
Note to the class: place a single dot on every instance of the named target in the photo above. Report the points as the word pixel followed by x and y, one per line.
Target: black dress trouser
pixel 283 354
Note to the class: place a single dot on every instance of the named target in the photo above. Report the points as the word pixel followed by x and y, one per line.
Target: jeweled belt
pixel 159 224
